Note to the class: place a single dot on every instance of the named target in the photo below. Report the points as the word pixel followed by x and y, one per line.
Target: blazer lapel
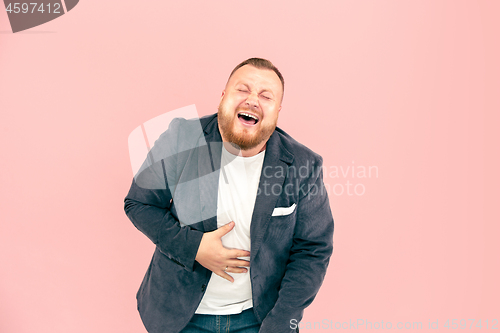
pixel 276 158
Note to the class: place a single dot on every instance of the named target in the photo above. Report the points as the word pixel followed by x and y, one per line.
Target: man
pixel 239 215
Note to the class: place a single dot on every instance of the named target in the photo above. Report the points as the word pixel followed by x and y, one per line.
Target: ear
pixel 279 109
pixel 222 95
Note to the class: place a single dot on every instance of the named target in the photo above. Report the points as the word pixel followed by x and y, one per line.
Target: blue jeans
pixel 244 322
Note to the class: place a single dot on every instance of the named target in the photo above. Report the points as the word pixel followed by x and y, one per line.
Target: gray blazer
pixel 173 201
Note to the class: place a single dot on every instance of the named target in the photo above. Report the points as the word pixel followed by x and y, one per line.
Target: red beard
pixel 243 139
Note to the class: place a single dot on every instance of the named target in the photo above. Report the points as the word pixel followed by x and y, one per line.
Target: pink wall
pixel 409 87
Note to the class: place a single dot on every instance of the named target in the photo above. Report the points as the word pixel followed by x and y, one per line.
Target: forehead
pixel 261 78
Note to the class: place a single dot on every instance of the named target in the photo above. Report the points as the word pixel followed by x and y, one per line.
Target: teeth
pixel 249 115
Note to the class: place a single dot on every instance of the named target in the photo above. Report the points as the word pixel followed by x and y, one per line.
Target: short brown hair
pixel 260 63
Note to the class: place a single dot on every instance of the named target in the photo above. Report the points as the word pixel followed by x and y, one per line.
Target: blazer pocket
pixel 282 211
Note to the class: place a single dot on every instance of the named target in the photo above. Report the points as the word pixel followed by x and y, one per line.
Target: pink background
pixel 411 87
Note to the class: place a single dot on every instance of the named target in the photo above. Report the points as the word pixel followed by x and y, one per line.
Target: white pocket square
pixel 280 211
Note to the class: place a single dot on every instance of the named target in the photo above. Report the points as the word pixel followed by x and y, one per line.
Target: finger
pixel 226 276
pixel 225 229
pixel 231 269
pixel 235 253
pixel 237 263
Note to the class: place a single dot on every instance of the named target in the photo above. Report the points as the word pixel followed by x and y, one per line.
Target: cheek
pixel 271 116
pixel 235 99
pixel 228 107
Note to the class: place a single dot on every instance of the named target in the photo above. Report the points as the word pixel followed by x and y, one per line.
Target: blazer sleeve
pixel 149 202
pixel 309 257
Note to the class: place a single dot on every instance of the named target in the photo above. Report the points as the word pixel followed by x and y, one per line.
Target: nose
pixel 252 101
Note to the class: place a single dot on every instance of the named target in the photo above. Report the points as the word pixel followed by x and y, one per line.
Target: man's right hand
pixel 215 257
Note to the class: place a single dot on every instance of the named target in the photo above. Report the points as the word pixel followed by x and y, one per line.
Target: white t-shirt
pixel 238 185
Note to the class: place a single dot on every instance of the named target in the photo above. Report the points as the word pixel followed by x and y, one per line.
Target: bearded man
pixel 239 215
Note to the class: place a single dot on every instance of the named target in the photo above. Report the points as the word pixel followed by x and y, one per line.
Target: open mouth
pixel 248 118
